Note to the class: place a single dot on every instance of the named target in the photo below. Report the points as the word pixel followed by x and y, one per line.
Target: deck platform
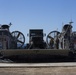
pixel 34 52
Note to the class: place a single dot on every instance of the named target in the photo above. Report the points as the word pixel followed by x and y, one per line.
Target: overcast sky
pixel 37 14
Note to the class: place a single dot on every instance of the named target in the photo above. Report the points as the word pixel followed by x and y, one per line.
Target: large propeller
pixel 52 36
pixel 20 38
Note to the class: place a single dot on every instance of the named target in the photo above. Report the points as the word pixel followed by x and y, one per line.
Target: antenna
pixel 57 29
pixel 62 25
pixel 71 22
pixel 10 24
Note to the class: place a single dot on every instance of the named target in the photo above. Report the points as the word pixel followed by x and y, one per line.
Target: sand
pixel 39 71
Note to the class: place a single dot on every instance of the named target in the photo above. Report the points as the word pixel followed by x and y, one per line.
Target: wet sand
pixel 39 71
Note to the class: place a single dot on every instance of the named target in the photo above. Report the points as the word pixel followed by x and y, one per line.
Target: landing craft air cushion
pixel 12 44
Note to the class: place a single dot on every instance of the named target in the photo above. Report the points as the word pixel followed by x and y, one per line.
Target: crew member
pixel 57 43
pixel 51 43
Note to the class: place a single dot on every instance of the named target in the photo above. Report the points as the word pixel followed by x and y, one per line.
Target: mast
pixel 71 22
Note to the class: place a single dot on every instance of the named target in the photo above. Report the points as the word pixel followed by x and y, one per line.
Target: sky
pixel 48 15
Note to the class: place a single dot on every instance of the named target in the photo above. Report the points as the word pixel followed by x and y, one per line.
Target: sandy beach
pixel 39 71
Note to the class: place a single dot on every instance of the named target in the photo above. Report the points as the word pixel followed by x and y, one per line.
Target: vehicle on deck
pixel 36 40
